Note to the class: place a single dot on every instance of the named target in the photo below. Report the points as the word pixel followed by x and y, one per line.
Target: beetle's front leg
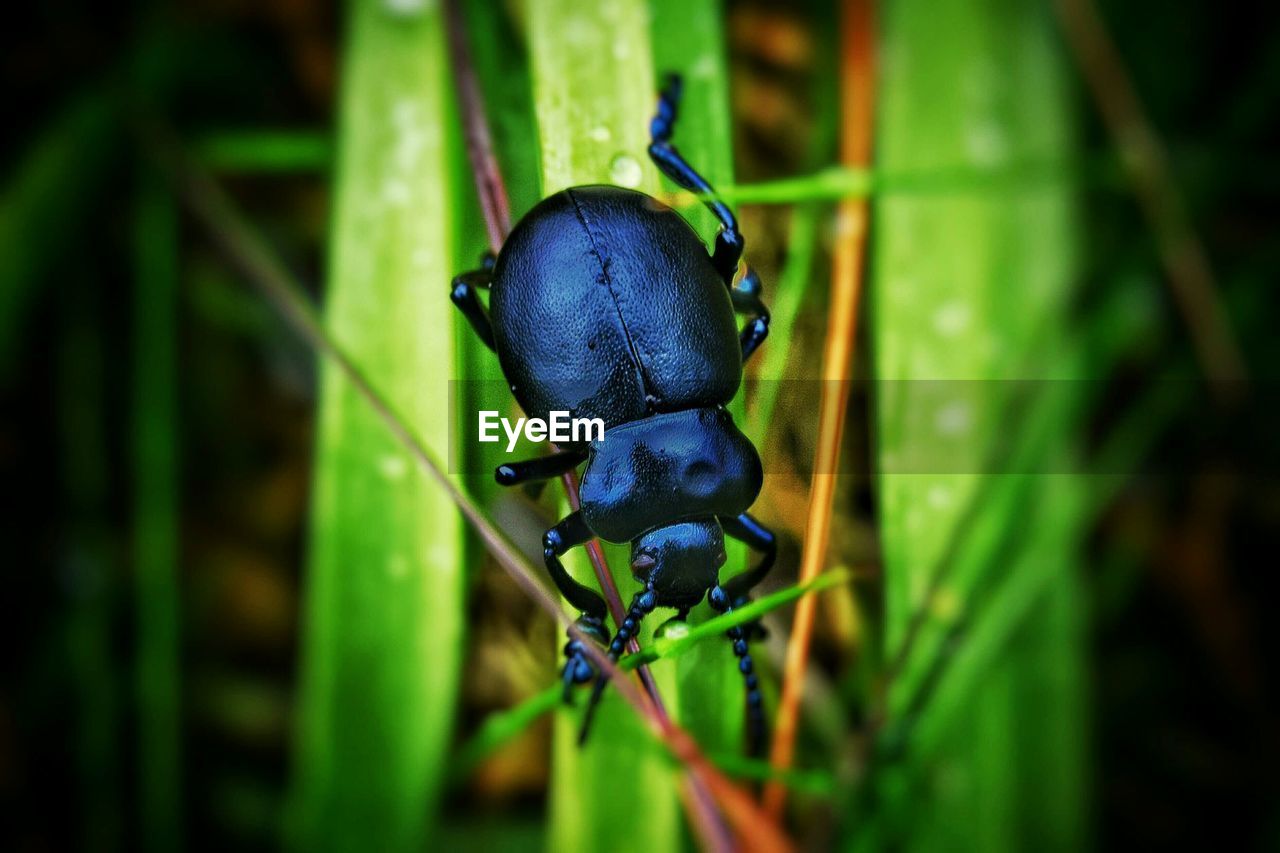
pixel 758 538
pixel 570 532
pixel 542 468
pixel 465 294
pixel 746 300
pixel 729 243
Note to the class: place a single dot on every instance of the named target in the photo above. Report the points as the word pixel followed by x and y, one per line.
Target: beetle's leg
pixel 641 606
pixel 733 594
pixel 757 537
pixel 728 248
pixel 466 296
pixel 542 468
pixel 746 300
pixel 572 531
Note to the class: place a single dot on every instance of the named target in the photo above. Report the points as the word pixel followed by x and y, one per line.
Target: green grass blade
pixel 802 244
pixel 44 202
pixel 384 601
pixel 268 150
pixel 964 287
pixel 156 501
pixel 91 623
pixel 593 94
pixel 814 782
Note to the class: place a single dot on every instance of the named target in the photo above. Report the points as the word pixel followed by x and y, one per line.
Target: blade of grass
pixel 46 198
pixel 967 286
pixel 592 84
pixel 156 502
pixel 793 284
pixel 1107 336
pixel 835 183
pixel 814 782
pixel 384 602
pixel 857 76
pixel 490 189
pixel 273 151
pixel 88 561
pixel 1102 340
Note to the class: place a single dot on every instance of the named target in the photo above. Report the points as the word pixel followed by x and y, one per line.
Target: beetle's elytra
pixel 605 303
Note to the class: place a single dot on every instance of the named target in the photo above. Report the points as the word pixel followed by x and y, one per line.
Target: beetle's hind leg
pixel 729 243
pixel 746 300
pixel 734 594
pixel 570 532
pixel 465 294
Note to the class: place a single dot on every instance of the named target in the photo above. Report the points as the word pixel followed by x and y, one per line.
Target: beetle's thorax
pixel 667 468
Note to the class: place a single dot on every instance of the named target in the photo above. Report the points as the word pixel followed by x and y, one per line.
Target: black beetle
pixel 605 303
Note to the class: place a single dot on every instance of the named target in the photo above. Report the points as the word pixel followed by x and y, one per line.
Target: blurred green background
pixel 241 617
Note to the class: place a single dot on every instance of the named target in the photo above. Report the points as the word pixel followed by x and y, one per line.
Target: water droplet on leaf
pixel 624 170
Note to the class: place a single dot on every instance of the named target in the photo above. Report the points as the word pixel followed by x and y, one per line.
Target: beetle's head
pixel 682 561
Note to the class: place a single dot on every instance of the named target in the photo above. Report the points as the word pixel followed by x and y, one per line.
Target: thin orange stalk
pixel 857 94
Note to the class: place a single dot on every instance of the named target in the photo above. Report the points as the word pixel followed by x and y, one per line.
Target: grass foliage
pixel 961 723
pixel 592 85
pixel 983 622
pixel 384 604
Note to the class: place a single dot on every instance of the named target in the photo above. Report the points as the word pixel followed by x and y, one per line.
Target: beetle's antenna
pixel 724 599
pixel 755 700
pixel 641 605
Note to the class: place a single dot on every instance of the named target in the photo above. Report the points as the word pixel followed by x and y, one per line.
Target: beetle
pixel 605 303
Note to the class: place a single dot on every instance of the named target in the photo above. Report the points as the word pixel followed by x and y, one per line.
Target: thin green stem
pixel 501 727
pixel 793 284
pixel 155 460
pixel 815 782
pixel 267 150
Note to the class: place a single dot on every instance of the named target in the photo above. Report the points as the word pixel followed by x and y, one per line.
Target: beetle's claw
pixel 578 668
